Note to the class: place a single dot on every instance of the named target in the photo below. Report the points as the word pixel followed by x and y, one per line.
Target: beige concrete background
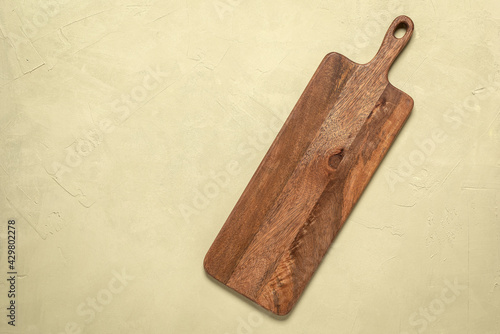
pixel 130 129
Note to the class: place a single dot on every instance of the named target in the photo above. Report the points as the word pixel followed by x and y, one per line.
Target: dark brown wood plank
pixel 277 165
pixel 311 177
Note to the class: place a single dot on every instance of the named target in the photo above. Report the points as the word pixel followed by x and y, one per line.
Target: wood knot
pixel 335 159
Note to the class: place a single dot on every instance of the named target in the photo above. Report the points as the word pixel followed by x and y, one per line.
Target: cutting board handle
pixel 391 45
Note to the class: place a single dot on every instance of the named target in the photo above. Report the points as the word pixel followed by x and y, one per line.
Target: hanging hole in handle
pixel 400 30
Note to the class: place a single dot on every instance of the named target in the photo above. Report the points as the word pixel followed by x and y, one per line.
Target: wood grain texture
pixel 312 176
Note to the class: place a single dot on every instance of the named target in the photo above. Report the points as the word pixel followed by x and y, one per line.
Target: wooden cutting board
pixel 312 176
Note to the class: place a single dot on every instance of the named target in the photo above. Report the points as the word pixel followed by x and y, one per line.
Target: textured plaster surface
pixel 128 130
